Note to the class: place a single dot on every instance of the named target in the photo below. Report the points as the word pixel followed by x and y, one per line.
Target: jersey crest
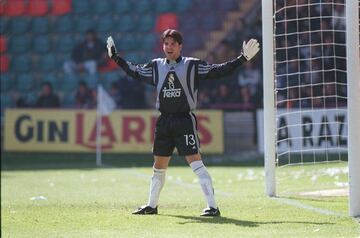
pixel 172 96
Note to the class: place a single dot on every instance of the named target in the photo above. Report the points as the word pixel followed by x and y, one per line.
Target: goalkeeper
pixel 176 79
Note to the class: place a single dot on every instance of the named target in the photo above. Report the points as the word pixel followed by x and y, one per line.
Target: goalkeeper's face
pixel 171 48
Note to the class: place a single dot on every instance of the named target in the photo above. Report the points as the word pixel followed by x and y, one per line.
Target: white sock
pixel 157 183
pixel 205 181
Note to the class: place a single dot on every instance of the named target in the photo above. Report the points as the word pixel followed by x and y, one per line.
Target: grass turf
pixel 84 201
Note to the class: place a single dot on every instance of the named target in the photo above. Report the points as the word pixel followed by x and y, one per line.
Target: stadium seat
pixel 19 44
pixel 70 83
pixel 110 65
pixel 63 24
pixel 228 5
pixel 31 97
pixel 2 8
pixel 41 44
pixel 61 7
pixel 48 63
pixel 20 64
pixel 84 23
pixel 65 44
pixel 6 101
pixel 40 25
pixel 91 80
pixel 110 77
pixel 4 64
pixel 121 7
pixel 192 42
pixel 6 82
pixel 149 41
pixel 125 23
pixel 24 83
pixel 210 21
pixel 68 99
pixel 81 6
pixel 101 7
pixel 183 5
pixel 105 24
pixel 52 78
pixel 15 8
pixel 127 42
pixel 209 7
pixel 188 22
pixel 165 21
pixel 163 6
pixel 141 6
pixel 146 22
pixel 133 56
pixel 20 25
pixel 4 25
pixel 37 7
pixel 3 44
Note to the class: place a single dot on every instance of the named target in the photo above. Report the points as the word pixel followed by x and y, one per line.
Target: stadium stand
pixel 4 63
pixel 6 82
pixel 20 25
pixel 25 83
pixel 3 44
pixel 15 8
pixel 38 36
pixel 61 7
pixel 40 25
pixel 37 7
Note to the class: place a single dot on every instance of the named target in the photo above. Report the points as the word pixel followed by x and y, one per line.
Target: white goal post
pixel 353 96
pixel 353 76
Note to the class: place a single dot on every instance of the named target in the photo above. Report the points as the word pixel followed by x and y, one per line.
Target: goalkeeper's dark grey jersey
pixel 177 82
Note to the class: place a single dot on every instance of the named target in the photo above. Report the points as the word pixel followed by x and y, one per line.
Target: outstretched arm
pixel 213 71
pixel 142 72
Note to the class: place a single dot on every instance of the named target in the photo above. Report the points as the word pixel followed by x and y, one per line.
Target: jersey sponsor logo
pixel 171 91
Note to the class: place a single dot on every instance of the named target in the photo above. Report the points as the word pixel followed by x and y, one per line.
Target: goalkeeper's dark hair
pixel 176 35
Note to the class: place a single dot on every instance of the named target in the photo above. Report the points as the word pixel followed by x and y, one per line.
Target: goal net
pixel 308 104
pixel 310 74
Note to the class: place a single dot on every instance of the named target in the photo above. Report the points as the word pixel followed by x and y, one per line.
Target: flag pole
pixel 105 105
pixel 98 130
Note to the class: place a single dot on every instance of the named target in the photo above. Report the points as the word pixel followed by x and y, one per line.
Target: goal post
pixel 321 82
pixel 269 97
pixel 353 76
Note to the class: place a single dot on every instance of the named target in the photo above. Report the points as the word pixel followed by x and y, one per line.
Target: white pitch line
pixel 308 207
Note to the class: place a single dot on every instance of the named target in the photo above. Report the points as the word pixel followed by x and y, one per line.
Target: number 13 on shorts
pixel 190 140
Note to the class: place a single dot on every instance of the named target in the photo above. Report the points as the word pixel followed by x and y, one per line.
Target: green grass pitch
pixel 47 199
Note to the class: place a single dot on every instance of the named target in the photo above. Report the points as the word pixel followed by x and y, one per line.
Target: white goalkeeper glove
pixel 250 48
pixel 111 47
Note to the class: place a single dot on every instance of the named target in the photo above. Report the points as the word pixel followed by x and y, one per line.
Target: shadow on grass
pixel 245 223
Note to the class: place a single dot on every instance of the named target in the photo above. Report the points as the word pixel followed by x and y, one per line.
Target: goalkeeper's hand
pixel 111 47
pixel 250 48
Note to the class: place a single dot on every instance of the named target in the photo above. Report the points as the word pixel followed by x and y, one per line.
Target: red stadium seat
pixel 3 44
pixel 109 66
pixel 4 63
pixel 2 8
pixel 165 21
pixel 61 7
pixel 15 7
pixel 37 7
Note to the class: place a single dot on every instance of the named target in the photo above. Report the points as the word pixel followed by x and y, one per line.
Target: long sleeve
pixel 142 72
pixel 214 71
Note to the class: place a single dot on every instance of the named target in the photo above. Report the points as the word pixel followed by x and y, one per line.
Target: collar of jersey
pixel 177 60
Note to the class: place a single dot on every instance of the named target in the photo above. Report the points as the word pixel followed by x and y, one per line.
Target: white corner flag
pixel 105 105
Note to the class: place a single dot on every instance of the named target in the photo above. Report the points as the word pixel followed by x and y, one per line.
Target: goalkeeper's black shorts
pixel 176 130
